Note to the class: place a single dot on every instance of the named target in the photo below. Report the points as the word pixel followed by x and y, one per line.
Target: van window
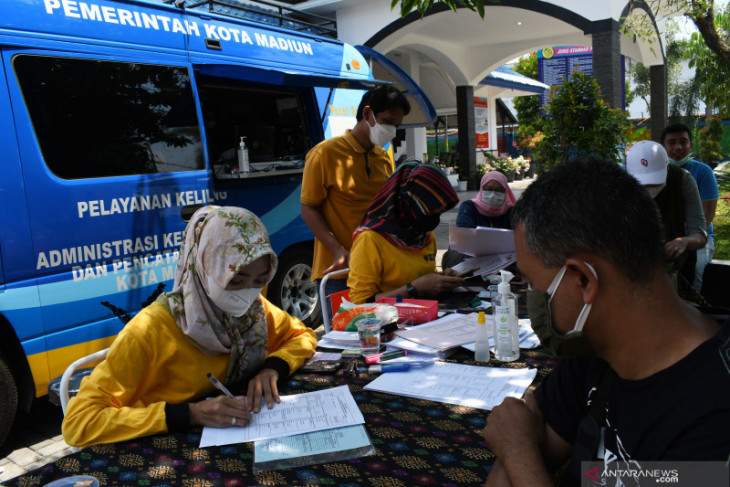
pixel 103 118
pixel 271 119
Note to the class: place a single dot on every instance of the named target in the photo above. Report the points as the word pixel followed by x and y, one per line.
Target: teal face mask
pixel 571 344
pixel 681 163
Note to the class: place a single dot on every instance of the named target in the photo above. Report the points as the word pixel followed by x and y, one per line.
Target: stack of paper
pixel 466 385
pixel 527 336
pixel 481 240
pixel 295 414
pixel 444 333
pixel 340 340
pixel 485 264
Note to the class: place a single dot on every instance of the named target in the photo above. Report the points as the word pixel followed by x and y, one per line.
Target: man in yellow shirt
pixel 343 174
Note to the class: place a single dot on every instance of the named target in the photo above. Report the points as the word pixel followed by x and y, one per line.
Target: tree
pixel 713 79
pixel 527 107
pixel 683 96
pixel 578 123
pixel 701 12
pixel 709 141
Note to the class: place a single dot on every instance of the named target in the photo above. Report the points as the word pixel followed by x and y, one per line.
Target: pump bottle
pixel 481 345
pixel 243 166
pixel 506 332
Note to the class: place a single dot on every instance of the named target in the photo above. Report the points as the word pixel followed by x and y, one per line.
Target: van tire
pixel 292 289
pixel 8 399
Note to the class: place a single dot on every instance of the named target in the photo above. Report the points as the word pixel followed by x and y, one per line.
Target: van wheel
pixel 293 290
pixel 8 399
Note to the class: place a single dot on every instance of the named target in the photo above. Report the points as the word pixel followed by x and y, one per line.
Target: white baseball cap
pixel 647 161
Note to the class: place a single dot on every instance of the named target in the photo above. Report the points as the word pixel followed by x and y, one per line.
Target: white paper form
pixel 315 443
pixel 528 338
pixel 446 332
pixel 465 385
pixel 340 340
pixel 481 240
pixel 485 264
pixel 299 413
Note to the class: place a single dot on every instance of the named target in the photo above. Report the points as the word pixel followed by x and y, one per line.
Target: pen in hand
pixel 217 384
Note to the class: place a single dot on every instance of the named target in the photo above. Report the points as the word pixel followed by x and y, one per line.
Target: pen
pixel 378 368
pixel 381 357
pixel 217 384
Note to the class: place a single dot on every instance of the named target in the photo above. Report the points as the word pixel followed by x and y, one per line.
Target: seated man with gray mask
pixel 655 385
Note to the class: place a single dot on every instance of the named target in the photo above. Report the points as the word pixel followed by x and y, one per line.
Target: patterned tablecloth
pixel 417 442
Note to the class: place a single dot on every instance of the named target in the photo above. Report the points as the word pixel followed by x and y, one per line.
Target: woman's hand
pixel 675 248
pixel 264 384
pixel 220 412
pixel 434 284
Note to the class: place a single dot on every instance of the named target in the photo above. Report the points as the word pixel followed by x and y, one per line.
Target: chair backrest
pixel 326 318
pixel 336 300
pixel 63 391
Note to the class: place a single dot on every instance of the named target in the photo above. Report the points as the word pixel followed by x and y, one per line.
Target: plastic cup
pixel 368 331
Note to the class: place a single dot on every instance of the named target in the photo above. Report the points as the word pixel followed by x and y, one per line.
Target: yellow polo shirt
pixel 378 266
pixel 336 180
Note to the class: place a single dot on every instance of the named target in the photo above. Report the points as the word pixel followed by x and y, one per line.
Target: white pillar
pixel 492 108
pixel 416 143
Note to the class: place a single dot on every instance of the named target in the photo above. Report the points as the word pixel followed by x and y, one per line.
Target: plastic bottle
pixel 481 345
pixel 506 332
pixel 243 166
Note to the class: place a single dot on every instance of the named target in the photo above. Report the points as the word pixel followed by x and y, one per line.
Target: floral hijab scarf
pixel 219 242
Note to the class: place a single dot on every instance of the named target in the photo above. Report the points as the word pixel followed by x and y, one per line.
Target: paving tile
pixel 10 471
pixel 24 456
pixel 53 449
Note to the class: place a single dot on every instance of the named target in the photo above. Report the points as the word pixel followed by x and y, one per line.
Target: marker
pixel 217 384
pixel 377 368
pixel 381 357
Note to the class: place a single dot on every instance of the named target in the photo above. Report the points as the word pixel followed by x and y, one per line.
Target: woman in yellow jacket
pixel 213 321
pixel 394 249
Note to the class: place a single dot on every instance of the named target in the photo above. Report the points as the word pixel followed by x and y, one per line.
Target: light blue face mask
pixel 681 163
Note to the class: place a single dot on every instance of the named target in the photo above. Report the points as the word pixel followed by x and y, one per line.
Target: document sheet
pixel 446 332
pixel 465 385
pixel 481 240
pixel 300 413
pixel 309 448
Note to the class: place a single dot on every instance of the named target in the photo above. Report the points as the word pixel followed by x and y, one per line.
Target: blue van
pixel 118 119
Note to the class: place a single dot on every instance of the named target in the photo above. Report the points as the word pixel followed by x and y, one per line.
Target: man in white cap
pixel 675 193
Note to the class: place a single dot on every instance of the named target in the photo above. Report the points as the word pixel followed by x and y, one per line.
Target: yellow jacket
pixel 378 266
pixel 151 364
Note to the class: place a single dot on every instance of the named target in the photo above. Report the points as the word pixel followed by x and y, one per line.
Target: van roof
pixel 203 38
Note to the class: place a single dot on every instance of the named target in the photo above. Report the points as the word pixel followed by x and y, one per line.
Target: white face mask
pixel 380 135
pixel 684 160
pixel 655 190
pixel 493 198
pixel 235 303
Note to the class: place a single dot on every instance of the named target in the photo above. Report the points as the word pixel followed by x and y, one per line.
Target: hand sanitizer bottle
pixel 481 345
pixel 506 333
pixel 243 166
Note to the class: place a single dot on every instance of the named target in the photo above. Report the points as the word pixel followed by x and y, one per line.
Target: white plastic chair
pixel 326 319
pixel 63 393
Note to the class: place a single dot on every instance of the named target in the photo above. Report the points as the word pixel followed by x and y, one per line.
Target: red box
pixel 428 310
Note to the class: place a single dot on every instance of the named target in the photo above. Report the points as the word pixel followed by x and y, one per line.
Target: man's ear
pixel 366 112
pixel 587 278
